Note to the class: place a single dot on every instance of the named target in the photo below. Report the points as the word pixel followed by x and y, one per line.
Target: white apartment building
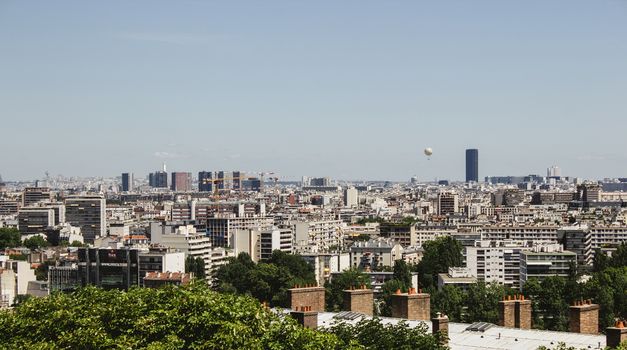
pixel 430 233
pixel 523 233
pixel 323 234
pixel 326 264
pixel 7 288
pixel 184 238
pixel 496 261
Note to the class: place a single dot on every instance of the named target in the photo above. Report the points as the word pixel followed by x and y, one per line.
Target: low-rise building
pixel 460 277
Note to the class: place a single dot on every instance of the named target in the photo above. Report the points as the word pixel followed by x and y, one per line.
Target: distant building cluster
pixel 127 231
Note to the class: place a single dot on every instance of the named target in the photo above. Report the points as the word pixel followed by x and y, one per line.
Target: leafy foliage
pixel 607 287
pixel 439 255
pixel 191 317
pixel 450 301
pixel 167 318
pixel 373 334
pixel 266 281
pixel 482 300
pixel 9 238
pixel 78 244
pixel 334 289
pixel 35 242
pixel 196 266
pixel 402 273
pixel 388 289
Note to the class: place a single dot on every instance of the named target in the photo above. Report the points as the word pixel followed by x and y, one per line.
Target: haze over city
pixel 352 89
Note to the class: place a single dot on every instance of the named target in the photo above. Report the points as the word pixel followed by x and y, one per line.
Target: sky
pixel 347 89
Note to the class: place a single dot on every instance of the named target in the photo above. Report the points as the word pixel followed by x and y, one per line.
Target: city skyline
pixel 355 92
pixel 462 177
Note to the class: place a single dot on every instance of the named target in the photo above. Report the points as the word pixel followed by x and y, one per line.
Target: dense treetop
pixel 192 317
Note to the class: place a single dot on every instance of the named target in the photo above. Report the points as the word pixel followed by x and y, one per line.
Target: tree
pixel 450 301
pixel 607 288
pixel 9 238
pixel 190 317
pixel 601 261
pixel 373 334
pixel 294 263
pixel 619 257
pixel 267 281
pixel 482 302
pixel 552 302
pixel 532 290
pixel 334 289
pixel 41 272
pixel 389 288
pixel 77 244
pixel 439 255
pixel 35 242
pixel 402 273
pixel 195 265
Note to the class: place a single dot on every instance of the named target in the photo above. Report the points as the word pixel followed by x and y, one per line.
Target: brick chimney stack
pixel 359 300
pixel 584 317
pixel 411 305
pixel 439 324
pixel 306 317
pixel 522 313
pixel 616 335
pixel 309 295
pixel 507 312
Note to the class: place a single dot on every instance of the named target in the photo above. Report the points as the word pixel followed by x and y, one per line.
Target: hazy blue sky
pixel 347 89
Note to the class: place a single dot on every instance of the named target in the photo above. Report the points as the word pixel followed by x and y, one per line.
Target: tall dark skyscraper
pixel 127 182
pixel 472 165
pixel 205 181
pixel 158 179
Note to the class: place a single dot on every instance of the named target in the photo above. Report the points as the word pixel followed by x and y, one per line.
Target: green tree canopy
pixel 143 318
pixel 268 280
pixel 439 255
pixel 195 265
pixel 373 334
pixel 450 301
pixel 482 301
pixel 9 238
pixel 619 257
pixel 35 242
pixel 334 289
pixel 402 273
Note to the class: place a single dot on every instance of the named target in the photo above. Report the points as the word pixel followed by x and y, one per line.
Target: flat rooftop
pixel 492 336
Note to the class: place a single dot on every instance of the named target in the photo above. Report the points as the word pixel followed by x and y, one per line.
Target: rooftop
pixel 487 336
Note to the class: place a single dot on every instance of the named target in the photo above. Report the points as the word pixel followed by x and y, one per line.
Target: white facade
pixel 246 241
pixel 351 197
pixel 324 234
pixel 375 253
pixel 496 261
pixel 7 288
pixel 23 274
pixel 275 239
pixel 184 238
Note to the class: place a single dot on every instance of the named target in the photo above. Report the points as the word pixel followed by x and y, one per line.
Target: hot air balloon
pixel 428 151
